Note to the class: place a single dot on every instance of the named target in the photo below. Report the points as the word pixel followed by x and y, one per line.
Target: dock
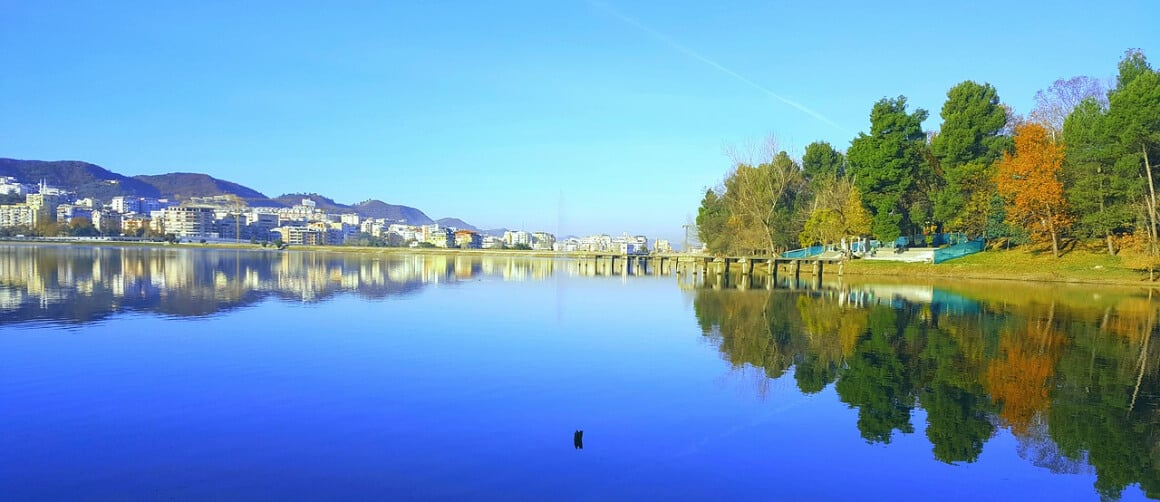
pixel 718 268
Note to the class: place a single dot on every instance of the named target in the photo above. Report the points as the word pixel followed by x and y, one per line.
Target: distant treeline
pixel 1079 166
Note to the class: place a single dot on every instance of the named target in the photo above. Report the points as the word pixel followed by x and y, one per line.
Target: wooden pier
pixel 717 267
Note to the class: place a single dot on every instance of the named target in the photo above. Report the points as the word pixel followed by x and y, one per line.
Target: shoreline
pixel 1007 265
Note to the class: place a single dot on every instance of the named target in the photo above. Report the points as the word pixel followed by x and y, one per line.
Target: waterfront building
pixel 517 237
pixel 43 206
pixel 441 237
pixel 189 222
pixel 66 212
pixel 133 223
pixel 543 241
pixel 301 236
pixel 468 239
pixel 106 221
pixel 16 215
pixel 492 242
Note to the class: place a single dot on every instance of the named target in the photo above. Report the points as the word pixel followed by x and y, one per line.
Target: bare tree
pixel 1054 104
pixel 756 190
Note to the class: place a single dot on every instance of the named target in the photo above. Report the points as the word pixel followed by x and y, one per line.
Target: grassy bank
pixel 1022 264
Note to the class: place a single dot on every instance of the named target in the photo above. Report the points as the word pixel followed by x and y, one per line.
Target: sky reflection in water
pixel 195 374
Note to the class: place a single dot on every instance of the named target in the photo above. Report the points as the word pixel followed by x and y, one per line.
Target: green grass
pixel 1023 264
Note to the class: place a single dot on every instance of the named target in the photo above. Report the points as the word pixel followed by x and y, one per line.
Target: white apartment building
pixel 189 222
pixel 9 186
pixel 12 215
pixel 543 241
pixel 517 237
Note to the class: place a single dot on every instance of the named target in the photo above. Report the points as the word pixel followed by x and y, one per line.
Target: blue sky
pixel 570 116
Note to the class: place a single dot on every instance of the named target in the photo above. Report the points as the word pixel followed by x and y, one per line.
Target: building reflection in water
pixel 80 283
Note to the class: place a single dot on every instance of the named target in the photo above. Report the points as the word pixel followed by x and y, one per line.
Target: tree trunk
pixel 1143 360
pixel 1111 249
pixel 1151 202
pixel 1054 234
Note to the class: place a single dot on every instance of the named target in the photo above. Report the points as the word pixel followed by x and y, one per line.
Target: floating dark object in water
pixel 578 440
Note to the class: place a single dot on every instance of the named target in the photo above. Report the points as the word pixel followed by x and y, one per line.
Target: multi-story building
pixel 189 222
pixel 440 237
pixel 143 205
pixel 125 205
pixel 43 206
pixel 9 186
pixel 261 224
pixel 492 242
pixel 106 221
pixel 301 236
pixel 16 215
pixel 232 226
pixel 516 238
pixel 66 212
pixel 407 233
pixel 663 246
pixel 468 239
pixel 568 245
pixel 543 241
pixel 131 224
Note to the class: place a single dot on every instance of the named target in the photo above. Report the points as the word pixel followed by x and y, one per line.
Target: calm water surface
pixel 130 374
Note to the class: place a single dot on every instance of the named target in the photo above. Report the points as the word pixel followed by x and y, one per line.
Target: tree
pixel 837 213
pixel 81 226
pixel 1029 181
pixel 968 143
pixel 821 161
pixel 1098 193
pixel 712 222
pixel 1133 121
pixel 760 199
pixel 887 165
pixel 1054 104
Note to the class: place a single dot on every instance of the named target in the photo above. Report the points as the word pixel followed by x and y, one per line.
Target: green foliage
pixel 972 122
pixel 1134 116
pixel 1098 192
pixel 821 160
pixel 968 143
pixel 712 221
pixel 879 380
pixel 1132 65
pixel 888 164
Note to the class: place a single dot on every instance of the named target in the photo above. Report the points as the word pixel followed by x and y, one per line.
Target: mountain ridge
pixel 92 180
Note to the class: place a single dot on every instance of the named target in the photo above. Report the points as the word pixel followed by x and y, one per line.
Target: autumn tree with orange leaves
pixel 1029 182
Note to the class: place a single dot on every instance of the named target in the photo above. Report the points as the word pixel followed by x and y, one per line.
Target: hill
pixel 90 180
pixel 456 223
pixel 379 209
pixel 182 186
pixel 321 202
pixel 87 180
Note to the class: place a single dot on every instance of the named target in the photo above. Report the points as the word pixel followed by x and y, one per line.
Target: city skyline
pixel 579 118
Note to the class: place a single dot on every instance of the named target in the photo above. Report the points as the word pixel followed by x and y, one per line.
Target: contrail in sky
pixel 608 9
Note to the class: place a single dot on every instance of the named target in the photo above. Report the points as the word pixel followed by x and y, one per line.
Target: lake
pixel 195 374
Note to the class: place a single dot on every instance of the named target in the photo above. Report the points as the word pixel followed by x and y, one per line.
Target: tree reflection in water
pixel 1072 375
